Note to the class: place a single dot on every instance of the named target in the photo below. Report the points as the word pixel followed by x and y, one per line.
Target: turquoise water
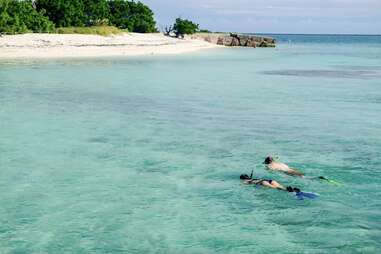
pixel 143 155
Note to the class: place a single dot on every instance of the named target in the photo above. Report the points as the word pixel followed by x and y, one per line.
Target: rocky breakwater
pixel 236 40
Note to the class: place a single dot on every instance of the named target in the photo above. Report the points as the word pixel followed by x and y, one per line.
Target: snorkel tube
pixel 329 180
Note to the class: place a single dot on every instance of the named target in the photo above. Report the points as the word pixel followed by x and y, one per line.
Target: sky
pixel 274 16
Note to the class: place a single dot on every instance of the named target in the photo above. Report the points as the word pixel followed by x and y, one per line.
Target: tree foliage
pixel 184 26
pixel 17 16
pixel 134 16
pixel 96 12
pixel 66 13
pixel 119 13
pixel 63 12
pixel 21 17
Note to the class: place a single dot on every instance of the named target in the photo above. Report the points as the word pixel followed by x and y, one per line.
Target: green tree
pixel 119 13
pixel 20 17
pixel 63 12
pixel 204 31
pixel 5 20
pixel 141 18
pixel 96 12
pixel 184 26
pixel 134 16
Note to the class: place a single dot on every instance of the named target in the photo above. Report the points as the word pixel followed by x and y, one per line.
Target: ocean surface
pixel 143 155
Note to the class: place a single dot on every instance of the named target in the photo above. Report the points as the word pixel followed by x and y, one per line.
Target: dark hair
pixel 268 160
pixel 297 190
pixel 244 177
pixel 292 189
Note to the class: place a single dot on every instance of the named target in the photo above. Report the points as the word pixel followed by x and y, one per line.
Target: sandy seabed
pixel 77 45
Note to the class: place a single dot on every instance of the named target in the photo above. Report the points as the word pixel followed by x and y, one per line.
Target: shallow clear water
pixel 143 155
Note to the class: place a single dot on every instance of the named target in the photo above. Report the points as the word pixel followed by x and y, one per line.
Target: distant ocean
pixel 326 38
pixel 143 155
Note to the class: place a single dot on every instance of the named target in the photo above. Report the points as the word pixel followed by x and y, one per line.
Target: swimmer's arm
pixel 295 172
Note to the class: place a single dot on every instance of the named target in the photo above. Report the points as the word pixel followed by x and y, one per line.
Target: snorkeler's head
pixel 292 189
pixel 296 190
pixel 244 177
pixel 268 160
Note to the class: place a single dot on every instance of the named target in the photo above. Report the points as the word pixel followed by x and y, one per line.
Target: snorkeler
pixel 264 182
pixel 275 185
pixel 271 164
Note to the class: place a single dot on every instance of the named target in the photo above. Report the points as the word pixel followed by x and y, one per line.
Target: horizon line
pixel 282 33
pixel 342 34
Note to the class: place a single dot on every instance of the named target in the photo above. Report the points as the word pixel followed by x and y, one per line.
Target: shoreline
pixel 56 46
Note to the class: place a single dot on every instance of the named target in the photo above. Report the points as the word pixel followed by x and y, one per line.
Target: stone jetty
pixel 236 40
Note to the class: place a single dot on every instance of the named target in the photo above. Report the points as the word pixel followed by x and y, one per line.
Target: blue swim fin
pixel 301 195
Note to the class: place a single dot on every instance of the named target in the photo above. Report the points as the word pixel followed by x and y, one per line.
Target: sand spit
pixel 26 46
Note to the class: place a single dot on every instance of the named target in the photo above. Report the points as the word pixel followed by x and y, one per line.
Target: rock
pixel 265 44
pixel 235 42
pixel 269 40
pixel 257 39
pixel 227 41
pixel 243 41
pixel 208 39
pixel 251 43
pixel 220 41
pixel 212 39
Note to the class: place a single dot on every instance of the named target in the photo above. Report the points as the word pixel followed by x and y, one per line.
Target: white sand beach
pixel 26 46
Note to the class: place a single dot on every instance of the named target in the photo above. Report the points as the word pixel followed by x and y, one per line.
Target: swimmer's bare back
pixel 267 183
pixel 295 172
pixel 278 166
